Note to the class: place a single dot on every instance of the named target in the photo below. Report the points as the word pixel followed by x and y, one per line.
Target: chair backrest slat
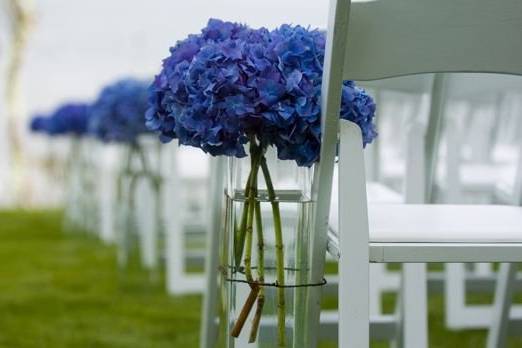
pixel 388 38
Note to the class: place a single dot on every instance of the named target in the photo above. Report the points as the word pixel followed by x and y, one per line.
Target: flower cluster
pixel 71 118
pixel 231 84
pixel 118 114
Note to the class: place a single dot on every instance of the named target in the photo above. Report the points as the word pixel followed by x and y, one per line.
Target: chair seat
pixel 440 233
pixel 412 223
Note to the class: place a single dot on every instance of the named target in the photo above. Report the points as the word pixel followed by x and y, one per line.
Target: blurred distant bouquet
pixel 241 92
pixel 118 116
pixel 70 121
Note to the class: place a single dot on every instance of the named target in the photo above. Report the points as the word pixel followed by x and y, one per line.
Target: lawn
pixel 65 290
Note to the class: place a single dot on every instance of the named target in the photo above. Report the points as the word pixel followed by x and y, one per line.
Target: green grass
pixel 61 290
pixel 65 290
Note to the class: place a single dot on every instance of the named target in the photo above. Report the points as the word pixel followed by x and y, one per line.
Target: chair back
pixel 387 38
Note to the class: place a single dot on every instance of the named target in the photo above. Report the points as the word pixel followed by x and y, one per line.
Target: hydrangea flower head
pixel 231 83
pixel 69 118
pixel 38 124
pixel 118 114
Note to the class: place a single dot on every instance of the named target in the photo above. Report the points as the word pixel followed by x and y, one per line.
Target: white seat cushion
pixel 411 223
pixel 436 223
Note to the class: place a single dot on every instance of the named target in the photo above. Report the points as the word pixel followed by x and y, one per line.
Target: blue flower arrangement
pixel 118 114
pixel 231 86
pixel 70 118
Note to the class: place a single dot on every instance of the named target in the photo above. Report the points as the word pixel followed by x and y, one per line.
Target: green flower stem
pixel 239 234
pixel 280 270
pixel 250 219
pixel 260 272
pixel 255 154
pixel 246 242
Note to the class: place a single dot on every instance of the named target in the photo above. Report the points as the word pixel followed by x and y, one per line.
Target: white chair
pixel 408 325
pixel 186 187
pixel 373 40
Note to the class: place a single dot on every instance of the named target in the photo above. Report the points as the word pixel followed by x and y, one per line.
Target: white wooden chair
pixel 183 179
pixel 407 327
pixel 379 39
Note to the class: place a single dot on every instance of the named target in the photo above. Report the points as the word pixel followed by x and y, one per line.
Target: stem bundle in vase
pixel 243 242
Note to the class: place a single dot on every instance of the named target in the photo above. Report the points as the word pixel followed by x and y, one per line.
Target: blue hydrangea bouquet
pixel 236 91
pixel 118 116
pixel 70 121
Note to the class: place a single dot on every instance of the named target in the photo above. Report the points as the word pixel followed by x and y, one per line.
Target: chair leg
pixel 498 332
pixel 377 274
pixel 454 294
pixel 354 289
pixel 414 305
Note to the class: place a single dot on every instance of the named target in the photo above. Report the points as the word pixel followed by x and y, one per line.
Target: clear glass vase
pixel 265 276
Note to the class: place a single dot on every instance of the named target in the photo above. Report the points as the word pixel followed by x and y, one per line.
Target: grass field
pixel 65 290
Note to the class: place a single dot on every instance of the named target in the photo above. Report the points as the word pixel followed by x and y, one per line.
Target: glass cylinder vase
pixel 266 252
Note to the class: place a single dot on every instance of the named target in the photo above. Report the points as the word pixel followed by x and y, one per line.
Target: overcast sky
pixel 78 46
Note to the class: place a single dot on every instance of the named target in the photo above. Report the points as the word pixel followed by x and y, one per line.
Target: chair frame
pixel 464 51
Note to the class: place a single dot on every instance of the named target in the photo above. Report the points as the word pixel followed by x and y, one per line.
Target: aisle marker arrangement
pixel 236 91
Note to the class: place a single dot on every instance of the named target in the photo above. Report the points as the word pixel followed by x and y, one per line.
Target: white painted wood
pixel 178 282
pixel 147 223
pixel 174 261
pixel 208 332
pixel 353 241
pixel 444 252
pixel 497 337
pixel 322 182
pixel 436 223
pixel 414 302
pixel 413 292
pixel 449 36
pixel 455 295
pixel 107 191
pixel 433 131
pixel 124 221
